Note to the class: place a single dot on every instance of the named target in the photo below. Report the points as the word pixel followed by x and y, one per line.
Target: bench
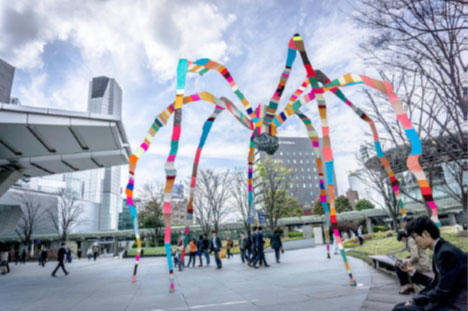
pixel 383 262
pixel 387 264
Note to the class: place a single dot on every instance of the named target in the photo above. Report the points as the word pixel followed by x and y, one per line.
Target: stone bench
pixel 387 264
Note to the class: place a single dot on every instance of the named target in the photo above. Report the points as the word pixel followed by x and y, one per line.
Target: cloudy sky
pixel 58 46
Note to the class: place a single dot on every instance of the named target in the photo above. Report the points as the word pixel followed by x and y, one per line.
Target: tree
pixel 274 182
pixel 152 215
pixel 290 207
pixel 342 204
pixel 66 214
pixel 364 204
pixel 239 193
pixel 318 209
pixel 32 212
pixel 377 180
pixel 422 44
pixel 211 195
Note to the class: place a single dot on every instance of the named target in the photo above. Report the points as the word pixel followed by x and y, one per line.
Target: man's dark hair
pixel 63 243
pixel 422 223
pixel 205 235
pixel 213 231
pixel 260 228
pixel 401 235
pixel 254 228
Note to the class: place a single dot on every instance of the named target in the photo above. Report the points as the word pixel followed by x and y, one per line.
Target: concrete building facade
pixel 296 153
pixel 7 73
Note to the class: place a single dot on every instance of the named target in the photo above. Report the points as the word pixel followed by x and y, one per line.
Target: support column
pixel 369 225
pixel 286 231
pixel 116 246
pixel 452 219
pixel 318 235
pixel 307 231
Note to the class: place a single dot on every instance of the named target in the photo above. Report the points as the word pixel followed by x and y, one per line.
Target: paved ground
pixel 304 280
pixel 383 294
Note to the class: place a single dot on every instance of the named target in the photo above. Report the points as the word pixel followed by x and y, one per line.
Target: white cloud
pixel 137 42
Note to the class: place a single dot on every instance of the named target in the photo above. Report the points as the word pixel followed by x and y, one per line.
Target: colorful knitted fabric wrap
pixel 265 119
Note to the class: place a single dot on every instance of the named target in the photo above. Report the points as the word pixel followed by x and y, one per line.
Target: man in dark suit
pixel 61 257
pixel 253 246
pixel 448 290
pixel 216 247
pixel 260 253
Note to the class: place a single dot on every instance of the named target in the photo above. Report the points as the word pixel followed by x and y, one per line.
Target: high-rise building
pixel 105 96
pixel 7 72
pixel 296 153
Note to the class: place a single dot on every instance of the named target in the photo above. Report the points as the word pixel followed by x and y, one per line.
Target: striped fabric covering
pixel 314 137
pixel 266 119
pixel 193 182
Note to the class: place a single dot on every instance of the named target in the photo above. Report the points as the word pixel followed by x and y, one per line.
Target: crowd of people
pixel 251 249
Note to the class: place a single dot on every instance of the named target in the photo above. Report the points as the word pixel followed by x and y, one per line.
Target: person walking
pixel 243 247
pixel 206 248
pixel 61 257
pixel 229 246
pixel 253 246
pixel 276 244
pixel 199 250
pixel 4 260
pixel 69 255
pixel 193 252
pixel 180 249
pixel 89 253
pixel 23 254
pixel 260 253
pixel 216 248
pixel 44 256
pixel 95 251
pixel 248 246
pixel 359 235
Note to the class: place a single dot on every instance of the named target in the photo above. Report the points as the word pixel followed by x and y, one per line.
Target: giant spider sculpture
pixel 264 123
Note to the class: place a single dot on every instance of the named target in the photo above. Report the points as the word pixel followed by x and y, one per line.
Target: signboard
pixel 262 219
pixel 250 220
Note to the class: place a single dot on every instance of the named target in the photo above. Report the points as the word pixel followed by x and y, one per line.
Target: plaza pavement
pixel 304 280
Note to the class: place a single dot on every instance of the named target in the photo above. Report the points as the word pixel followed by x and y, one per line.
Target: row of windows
pixel 292 186
pixel 297 177
pixel 294 153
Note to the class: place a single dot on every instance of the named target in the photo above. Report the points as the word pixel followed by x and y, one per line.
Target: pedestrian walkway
pixel 305 280
pixel 383 294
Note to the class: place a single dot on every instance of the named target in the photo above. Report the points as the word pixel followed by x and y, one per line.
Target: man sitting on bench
pixel 448 290
pixel 418 259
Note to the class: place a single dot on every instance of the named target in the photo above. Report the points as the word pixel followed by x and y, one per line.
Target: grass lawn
pixel 148 251
pixel 386 245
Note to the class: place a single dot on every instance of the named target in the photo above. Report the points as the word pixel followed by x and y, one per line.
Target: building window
pixel 304 185
pixel 294 161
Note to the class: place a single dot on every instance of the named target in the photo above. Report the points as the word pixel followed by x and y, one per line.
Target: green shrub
pixel 134 245
pixel 380 228
pixel 152 244
pixel 295 234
